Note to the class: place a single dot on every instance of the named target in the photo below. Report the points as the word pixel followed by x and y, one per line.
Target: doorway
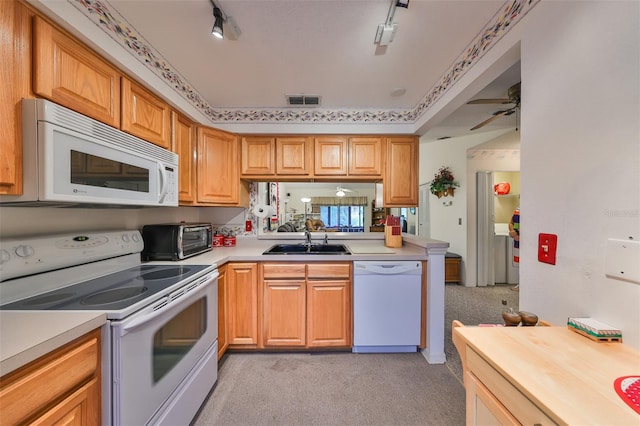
pixel 497 196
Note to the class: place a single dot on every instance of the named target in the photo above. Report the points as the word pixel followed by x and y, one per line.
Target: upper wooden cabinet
pixel 365 156
pixel 268 156
pixel 258 155
pixel 401 172
pixel 341 156
pixel 70 74
pixel 330 156
pixel 183 143
pixel 218 177
pixel 145 115
pixel 15 73
pixel 293 156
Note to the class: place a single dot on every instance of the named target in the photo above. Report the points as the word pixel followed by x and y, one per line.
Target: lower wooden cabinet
pixel 329 313
pixel 223 342
pixel 284 312
pixel 307 305
pixel 62 387
pixel 242 304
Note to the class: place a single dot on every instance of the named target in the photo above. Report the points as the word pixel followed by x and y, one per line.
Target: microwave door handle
pixel 164 187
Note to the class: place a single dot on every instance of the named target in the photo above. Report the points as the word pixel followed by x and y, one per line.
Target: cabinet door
pixel 145 115
pixel 483 408
pixel 401 172
pixel 330 156
pixel 284 315
pixel 183 143
pixel 329 313
pixel 218 177
pixel 293 156
pixel 242 303
pixel 68 73
pixel 223 343
pixel 82 407
pixel 258 155
pixel 61 375
pixel 15 72
pixel 365 156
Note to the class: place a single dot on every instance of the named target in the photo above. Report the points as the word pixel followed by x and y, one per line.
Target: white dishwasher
pixel 386 306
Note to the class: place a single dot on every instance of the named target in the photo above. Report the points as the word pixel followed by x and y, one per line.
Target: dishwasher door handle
pixel 388 268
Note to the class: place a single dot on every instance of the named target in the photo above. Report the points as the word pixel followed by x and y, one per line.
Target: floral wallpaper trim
pixel 112 23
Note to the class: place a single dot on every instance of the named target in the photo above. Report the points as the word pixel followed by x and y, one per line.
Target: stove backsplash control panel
pixel 27 256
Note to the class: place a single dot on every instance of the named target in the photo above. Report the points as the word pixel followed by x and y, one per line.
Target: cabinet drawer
pixel 34 387
pixel 328 270
pixel 525 411
pixel 283 270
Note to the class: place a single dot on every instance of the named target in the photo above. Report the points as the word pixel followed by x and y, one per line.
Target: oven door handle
pixel 169 304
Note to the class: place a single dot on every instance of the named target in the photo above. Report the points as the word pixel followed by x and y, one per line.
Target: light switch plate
pixel 621 260
pixel 547 245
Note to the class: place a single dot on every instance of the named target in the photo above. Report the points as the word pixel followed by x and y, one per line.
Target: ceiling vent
pixel 303 100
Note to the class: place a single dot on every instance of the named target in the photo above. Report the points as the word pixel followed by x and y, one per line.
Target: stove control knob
pixel 24 251
pixel 135 238
pixel 4 256
pixel 125 238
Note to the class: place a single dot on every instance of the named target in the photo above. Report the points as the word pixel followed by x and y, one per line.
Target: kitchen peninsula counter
pixel 251 249
pixel 27 335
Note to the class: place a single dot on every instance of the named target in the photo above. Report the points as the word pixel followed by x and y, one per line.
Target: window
pixel 346 218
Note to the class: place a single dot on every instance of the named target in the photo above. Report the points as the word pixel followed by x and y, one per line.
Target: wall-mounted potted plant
pixel 443 183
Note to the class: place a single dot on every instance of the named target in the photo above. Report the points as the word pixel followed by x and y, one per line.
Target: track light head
pixel 217 30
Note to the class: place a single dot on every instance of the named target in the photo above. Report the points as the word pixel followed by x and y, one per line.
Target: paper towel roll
pixel 262 210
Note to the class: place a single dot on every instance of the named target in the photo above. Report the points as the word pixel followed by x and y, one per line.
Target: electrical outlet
pixel 621 260
pixel 547 246
pixel 248 225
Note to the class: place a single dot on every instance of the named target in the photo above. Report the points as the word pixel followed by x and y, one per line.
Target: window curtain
pixel 316 202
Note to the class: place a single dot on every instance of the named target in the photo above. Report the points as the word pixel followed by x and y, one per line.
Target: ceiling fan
pixel 514 98
pixel 341 192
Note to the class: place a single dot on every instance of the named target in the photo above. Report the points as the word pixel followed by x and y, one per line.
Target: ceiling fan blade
pixel 490 119
pixel 490 101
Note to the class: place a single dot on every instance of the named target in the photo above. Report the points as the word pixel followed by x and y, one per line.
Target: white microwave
pixel 71 159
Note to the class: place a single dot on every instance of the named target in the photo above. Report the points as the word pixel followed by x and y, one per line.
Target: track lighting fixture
pixel 217 30
pixel 223 26
pixel 386 31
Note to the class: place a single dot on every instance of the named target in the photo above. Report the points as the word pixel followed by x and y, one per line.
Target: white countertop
pixel 251 249
pixel 27 335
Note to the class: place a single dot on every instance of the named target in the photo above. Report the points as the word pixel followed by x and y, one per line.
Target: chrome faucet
pixel 326 239
pixel 307 235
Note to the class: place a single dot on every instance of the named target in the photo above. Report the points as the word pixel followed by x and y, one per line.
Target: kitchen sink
pixel 308 249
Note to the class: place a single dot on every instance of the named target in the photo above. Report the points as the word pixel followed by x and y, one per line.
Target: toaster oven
pixel 176 241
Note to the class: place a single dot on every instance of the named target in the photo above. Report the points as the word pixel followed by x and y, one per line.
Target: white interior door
pixel 424 225
pixel 485 229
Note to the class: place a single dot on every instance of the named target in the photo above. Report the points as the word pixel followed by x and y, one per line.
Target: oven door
pixel 155 349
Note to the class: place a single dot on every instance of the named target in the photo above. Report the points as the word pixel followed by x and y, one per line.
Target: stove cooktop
pixel 113 292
